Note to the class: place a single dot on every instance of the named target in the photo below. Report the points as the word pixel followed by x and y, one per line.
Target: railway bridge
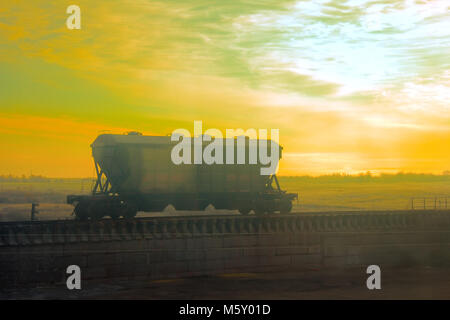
pixel 38 252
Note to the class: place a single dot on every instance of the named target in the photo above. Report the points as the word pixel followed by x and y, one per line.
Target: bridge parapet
pixel 33 253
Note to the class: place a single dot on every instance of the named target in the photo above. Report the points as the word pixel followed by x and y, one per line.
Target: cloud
pixel 344 77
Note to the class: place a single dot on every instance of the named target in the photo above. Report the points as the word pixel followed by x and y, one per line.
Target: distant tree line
pixel 368 177
pixel 335 177
pixel 37 178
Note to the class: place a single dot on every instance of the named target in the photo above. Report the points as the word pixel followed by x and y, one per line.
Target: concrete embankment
pixel 33 254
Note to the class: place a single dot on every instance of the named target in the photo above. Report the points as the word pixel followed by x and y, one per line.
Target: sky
pixel 353 86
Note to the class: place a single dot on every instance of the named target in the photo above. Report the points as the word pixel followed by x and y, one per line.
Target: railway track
pixel 212 216
pixel 72 231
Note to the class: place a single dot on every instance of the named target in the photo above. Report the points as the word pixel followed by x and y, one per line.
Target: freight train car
pixel 136 173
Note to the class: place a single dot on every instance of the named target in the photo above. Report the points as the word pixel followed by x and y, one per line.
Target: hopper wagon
pixel 136 173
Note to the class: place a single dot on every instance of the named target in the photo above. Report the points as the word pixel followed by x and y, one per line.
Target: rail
pixel 70 231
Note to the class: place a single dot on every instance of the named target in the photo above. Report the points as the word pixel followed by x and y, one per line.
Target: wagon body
pixel 136 173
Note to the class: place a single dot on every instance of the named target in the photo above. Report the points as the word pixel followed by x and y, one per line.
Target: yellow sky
pixel 351 85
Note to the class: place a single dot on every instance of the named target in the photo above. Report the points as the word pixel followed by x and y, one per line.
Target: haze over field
pixel 322 193
pixel 352 85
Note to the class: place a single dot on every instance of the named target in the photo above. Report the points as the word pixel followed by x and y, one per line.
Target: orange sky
pixel 352 87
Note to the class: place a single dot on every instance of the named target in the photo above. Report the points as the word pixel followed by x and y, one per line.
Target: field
pixel 17 194
pixel 386 192
pixel 324 193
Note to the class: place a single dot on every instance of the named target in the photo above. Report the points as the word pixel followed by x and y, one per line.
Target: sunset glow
pixel 353 86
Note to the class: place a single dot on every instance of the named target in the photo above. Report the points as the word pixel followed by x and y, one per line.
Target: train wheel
pixel 129 215
pixel 115 213
pixel 260 208
pixel 96 210
pixel 81 211
pixel 117 210
pixel 129 211
pixel 285 207
pixel 244 210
